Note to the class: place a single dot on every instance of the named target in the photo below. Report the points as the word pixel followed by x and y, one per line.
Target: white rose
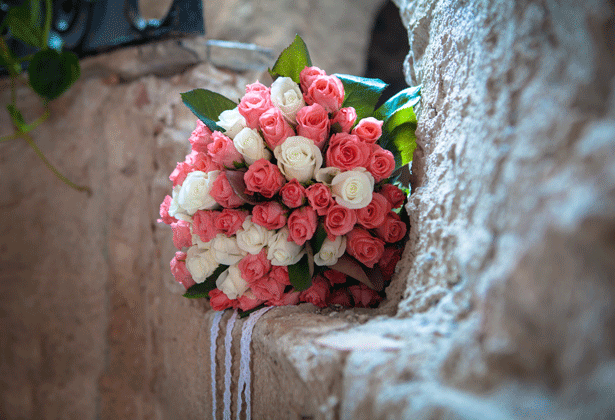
pixel 232 121
pixel 231 283
pixel 252 237
pixel 286 95
pixel 204 246
pixel 251 146
pixel 225 250
pixel 353 189
pixel 194 193
pixel 330 251
pixel 283 252
pixel 326 175
pixel 298 157
pixel 174 207
pixel 200 263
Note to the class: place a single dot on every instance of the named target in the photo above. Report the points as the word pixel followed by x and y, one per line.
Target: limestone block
pixel 510 293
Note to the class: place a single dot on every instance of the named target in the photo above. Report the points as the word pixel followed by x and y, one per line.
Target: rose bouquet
pixel 289 195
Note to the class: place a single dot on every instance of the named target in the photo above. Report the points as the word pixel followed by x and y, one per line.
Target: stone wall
pixel 503 305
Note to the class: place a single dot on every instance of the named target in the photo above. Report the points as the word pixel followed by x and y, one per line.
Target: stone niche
pixel 502 308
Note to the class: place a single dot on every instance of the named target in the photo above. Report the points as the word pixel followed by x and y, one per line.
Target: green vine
pixel 50 72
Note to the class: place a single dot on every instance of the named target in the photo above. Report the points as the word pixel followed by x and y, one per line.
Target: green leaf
pixel 319 238
pixel 201 290
pixel 361 93
pixel 8 61
pixel 52 73
pixel 299 274
pixel 292 60
pixel 399 117
pixel 401 142
pixel 207 106
pixel 24 24
pixel 407 97
pixel 249 311
pixel 17 118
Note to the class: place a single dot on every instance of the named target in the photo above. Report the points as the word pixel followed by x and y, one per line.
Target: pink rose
pixel 222 151
pixel 318 293
pixel 339 220
pixel 381 163
pixel 180 173
pixel 181 234
pixel 368 130
pixel 263 177
pixel 335 277
pixel 394 194
pixel 270 215
pixel 320 198
pixel 180 271
pixel 372 215
pixel 200 137
pixel 229 221
pixel 307 76
pixel 223 193
pixel 340 297
pixel 291 298
pixel 280 274
pixel 203 224
pixel 268 288
pixel 302 225
pixel 389 260
pixel 257 87
pixel 274 127
pixel 248 301
pixel 393 229
pixel 253 105
pixel 327 91
pixel 363 296
pixel 254 267
pixel 346 118
pixel 200 161
pixel 164 211
pixel 347 152
pixel 219 301
pixel 364 247
pixel 313 123
pixel 293 194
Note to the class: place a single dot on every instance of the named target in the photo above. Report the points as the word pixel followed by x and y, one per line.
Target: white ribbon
pixel 244 365
pixel 228 361
pixel 213 337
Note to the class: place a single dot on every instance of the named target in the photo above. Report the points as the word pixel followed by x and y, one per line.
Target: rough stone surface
pixel 503 305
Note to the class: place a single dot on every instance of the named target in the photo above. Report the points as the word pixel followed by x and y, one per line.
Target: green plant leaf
pixel 24 24
pixel 319 238
pixel 299 274
pixel 407 97
pixel 207 106
pixel 398 117
pixel 292 60
pixel 201 290
pixel 401 142
pixel 7 59
pixel 17 118
pixel 52 73
pixel 361 93
pixel 249 311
